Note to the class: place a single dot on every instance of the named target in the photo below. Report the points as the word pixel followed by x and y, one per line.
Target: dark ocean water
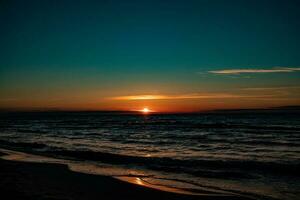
pixel 257 154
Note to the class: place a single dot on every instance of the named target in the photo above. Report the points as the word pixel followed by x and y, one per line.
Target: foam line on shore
pixel 131 176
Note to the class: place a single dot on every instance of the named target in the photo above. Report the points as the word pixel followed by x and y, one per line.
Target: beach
pixel 108 155
pixel 26 180
pixel 157 99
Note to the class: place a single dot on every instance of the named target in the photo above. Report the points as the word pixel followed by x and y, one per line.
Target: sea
pixel 250 153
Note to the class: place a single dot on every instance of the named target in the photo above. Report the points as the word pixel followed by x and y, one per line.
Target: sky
pixel 166 55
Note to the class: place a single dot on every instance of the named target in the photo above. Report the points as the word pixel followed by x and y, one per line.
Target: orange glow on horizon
pixel 145 110
pixel 249 98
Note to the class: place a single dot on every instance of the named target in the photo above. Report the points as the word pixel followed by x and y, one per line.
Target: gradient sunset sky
pixel 167 55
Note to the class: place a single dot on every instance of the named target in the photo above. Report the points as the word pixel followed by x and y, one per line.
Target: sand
pixel 41 181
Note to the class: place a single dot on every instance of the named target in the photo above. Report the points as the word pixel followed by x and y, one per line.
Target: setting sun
pixel 145 110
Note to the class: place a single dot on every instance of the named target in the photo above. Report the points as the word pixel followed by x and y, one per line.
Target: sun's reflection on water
pixel 139 181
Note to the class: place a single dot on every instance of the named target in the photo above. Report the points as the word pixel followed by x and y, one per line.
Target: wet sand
pixel 41 181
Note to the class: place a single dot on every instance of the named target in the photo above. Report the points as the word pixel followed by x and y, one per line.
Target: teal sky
pixel 86 54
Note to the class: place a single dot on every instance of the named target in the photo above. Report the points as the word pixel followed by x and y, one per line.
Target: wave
pixel 24 145
pixel 202 168
pixel 160 124
pixel 164 163
pixel 171 164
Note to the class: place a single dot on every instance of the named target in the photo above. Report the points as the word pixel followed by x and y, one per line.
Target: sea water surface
pixel 251 154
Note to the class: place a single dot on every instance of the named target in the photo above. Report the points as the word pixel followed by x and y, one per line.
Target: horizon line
pixel 288 107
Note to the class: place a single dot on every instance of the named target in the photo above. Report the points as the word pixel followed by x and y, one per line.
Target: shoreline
pixel 29 180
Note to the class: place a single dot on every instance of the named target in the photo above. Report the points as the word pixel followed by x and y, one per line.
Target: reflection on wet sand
pixel 137 177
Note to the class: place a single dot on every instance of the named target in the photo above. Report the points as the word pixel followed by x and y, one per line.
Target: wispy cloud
pixel 272 88
pixel 187 96
pixel 273 70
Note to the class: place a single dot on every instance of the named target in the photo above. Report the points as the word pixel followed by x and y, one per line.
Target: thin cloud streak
pixel 187 96
pixel 272 88
pixel 240 71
